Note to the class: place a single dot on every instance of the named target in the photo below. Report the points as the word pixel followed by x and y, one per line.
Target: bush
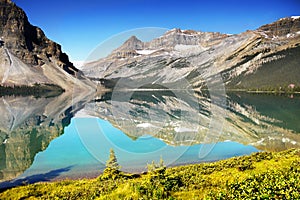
pixel 275 184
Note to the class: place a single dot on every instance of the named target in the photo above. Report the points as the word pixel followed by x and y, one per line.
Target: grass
pixel 258 176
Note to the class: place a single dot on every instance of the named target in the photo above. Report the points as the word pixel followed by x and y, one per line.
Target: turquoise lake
pixel 82 150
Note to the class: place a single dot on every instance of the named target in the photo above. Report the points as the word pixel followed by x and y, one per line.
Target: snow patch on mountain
pixel 145 51
pixel 145 125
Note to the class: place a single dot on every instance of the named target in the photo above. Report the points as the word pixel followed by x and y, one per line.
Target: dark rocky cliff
pixel 28 42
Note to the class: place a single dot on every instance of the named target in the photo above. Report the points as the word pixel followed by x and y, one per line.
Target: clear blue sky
pixel 80 25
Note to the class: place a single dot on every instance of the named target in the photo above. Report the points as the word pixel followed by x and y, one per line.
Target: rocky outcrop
pixel 27 56
pixel 285 27
pixel 176 37
pixel 28 42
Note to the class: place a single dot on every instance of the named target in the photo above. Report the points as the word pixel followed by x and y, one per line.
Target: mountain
pixel 259 59
pixel 28 57
pixel 266 59
pixel 30 61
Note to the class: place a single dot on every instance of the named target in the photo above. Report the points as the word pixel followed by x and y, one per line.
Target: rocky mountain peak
pixel 28 42
pixel 133 39
pixel 128 49
pixel 133 43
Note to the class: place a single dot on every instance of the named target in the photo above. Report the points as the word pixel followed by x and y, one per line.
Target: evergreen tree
pixel 161 162
pixel 156 167
pixel 112 167
pixel 112 162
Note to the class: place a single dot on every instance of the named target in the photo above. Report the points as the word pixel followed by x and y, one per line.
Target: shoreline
pixel 95 174
pixel 104 90
pixel 199 180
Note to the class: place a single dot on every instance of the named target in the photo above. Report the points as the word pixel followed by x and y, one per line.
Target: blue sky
pixel 80 25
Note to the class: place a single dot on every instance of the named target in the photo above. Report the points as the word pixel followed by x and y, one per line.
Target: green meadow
pixel 262 175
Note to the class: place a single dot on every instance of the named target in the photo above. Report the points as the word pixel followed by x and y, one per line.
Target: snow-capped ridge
pixel 295 17
pixel 291 17
pixel 180 31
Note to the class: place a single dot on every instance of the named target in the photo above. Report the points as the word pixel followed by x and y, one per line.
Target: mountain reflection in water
pixel 149 124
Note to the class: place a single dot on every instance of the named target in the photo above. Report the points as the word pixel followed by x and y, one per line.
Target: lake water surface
pixel 62 137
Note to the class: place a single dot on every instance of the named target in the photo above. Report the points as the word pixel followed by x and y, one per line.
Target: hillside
pixel 273 74
pixel 236 178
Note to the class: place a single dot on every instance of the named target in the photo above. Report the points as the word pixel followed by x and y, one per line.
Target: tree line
pixel 37 90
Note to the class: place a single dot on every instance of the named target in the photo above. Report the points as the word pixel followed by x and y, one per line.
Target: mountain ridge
pixel 232 56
